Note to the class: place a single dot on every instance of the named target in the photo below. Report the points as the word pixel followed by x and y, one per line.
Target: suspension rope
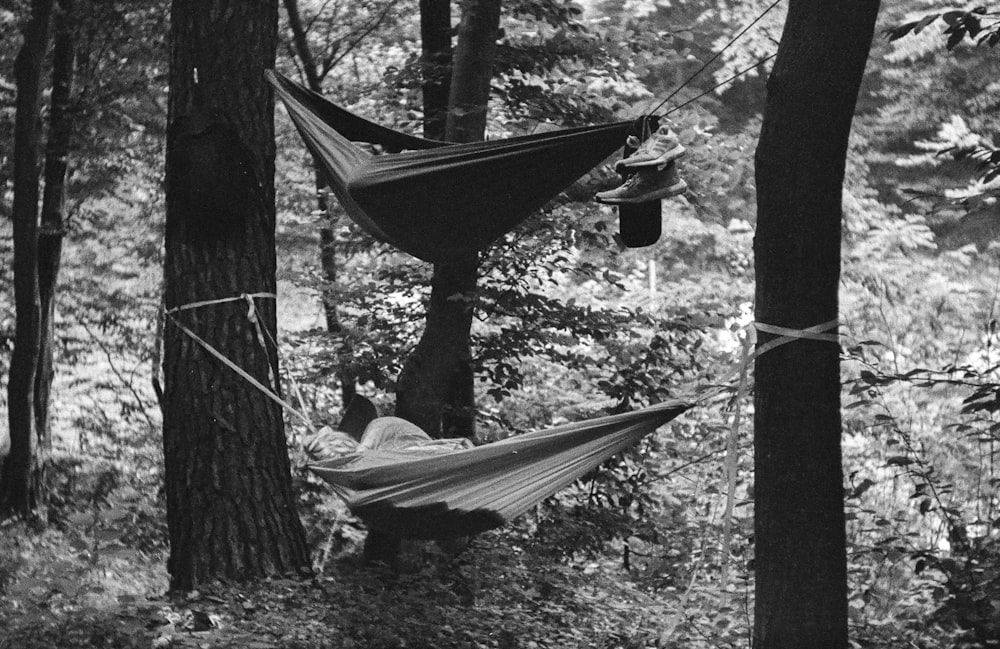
pixel 720 84
pixel 716 55
pixel 783 336
pixel 262 334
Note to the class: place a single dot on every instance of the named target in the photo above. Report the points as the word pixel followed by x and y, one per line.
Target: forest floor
pixel 509 589
pixel 504 590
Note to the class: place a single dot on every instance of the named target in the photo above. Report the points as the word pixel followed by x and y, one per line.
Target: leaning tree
pixel 230 507
pixel 800 564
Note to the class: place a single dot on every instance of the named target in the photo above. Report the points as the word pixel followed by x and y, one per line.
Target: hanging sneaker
pixel 646 185
pixel 659 148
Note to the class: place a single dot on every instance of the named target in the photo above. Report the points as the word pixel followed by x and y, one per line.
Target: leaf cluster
pixel 958 26
pixel 986 159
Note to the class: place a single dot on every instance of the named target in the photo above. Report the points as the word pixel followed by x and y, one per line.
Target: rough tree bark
pixel 53 227
pixel 435 389
pixel 22 477
pixel 800 565
pixel 230 507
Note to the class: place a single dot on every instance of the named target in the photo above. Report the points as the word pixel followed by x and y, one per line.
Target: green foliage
pixel 958 26
pixel 936 529
pixel 935 100
pixel 963 583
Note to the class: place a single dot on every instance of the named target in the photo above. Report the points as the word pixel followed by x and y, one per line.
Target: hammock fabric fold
pixel 439 201
pixel 411 494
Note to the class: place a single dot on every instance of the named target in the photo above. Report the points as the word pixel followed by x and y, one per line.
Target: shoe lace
pixel 631 181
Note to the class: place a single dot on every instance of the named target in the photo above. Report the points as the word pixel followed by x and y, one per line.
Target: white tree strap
pixel 251 316
pixel 261 339
pixel 259 330
pixel 248 297
pixel 787 335
pixel 243 373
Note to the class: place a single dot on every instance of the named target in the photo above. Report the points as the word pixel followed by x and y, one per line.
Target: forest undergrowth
pixel 637 555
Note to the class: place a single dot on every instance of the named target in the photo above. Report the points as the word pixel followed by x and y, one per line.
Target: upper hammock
pixel 396 486
pixel 440 201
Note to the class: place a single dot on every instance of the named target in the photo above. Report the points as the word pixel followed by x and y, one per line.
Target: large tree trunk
pixel 327 238
pixel 22 479
pixel 435 64
pixel 435 389
pixel 230 507
pixel 800 566
pixel 50 236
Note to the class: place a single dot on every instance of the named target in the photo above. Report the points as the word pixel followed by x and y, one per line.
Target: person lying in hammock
pixel 403 483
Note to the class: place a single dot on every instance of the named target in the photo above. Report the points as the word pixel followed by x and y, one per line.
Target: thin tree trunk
pixel 435 64
pixel 22 479
pixel 230 508
pixel 327 238
pixel 473 70
pixel 50 236
pixel 800 564
pixel 301 41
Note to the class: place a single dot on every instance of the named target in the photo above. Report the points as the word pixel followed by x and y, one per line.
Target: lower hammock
pixel 405 488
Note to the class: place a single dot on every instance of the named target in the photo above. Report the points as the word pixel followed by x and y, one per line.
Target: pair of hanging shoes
pixel 658 149
pixel 653 170
pixel 646 185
